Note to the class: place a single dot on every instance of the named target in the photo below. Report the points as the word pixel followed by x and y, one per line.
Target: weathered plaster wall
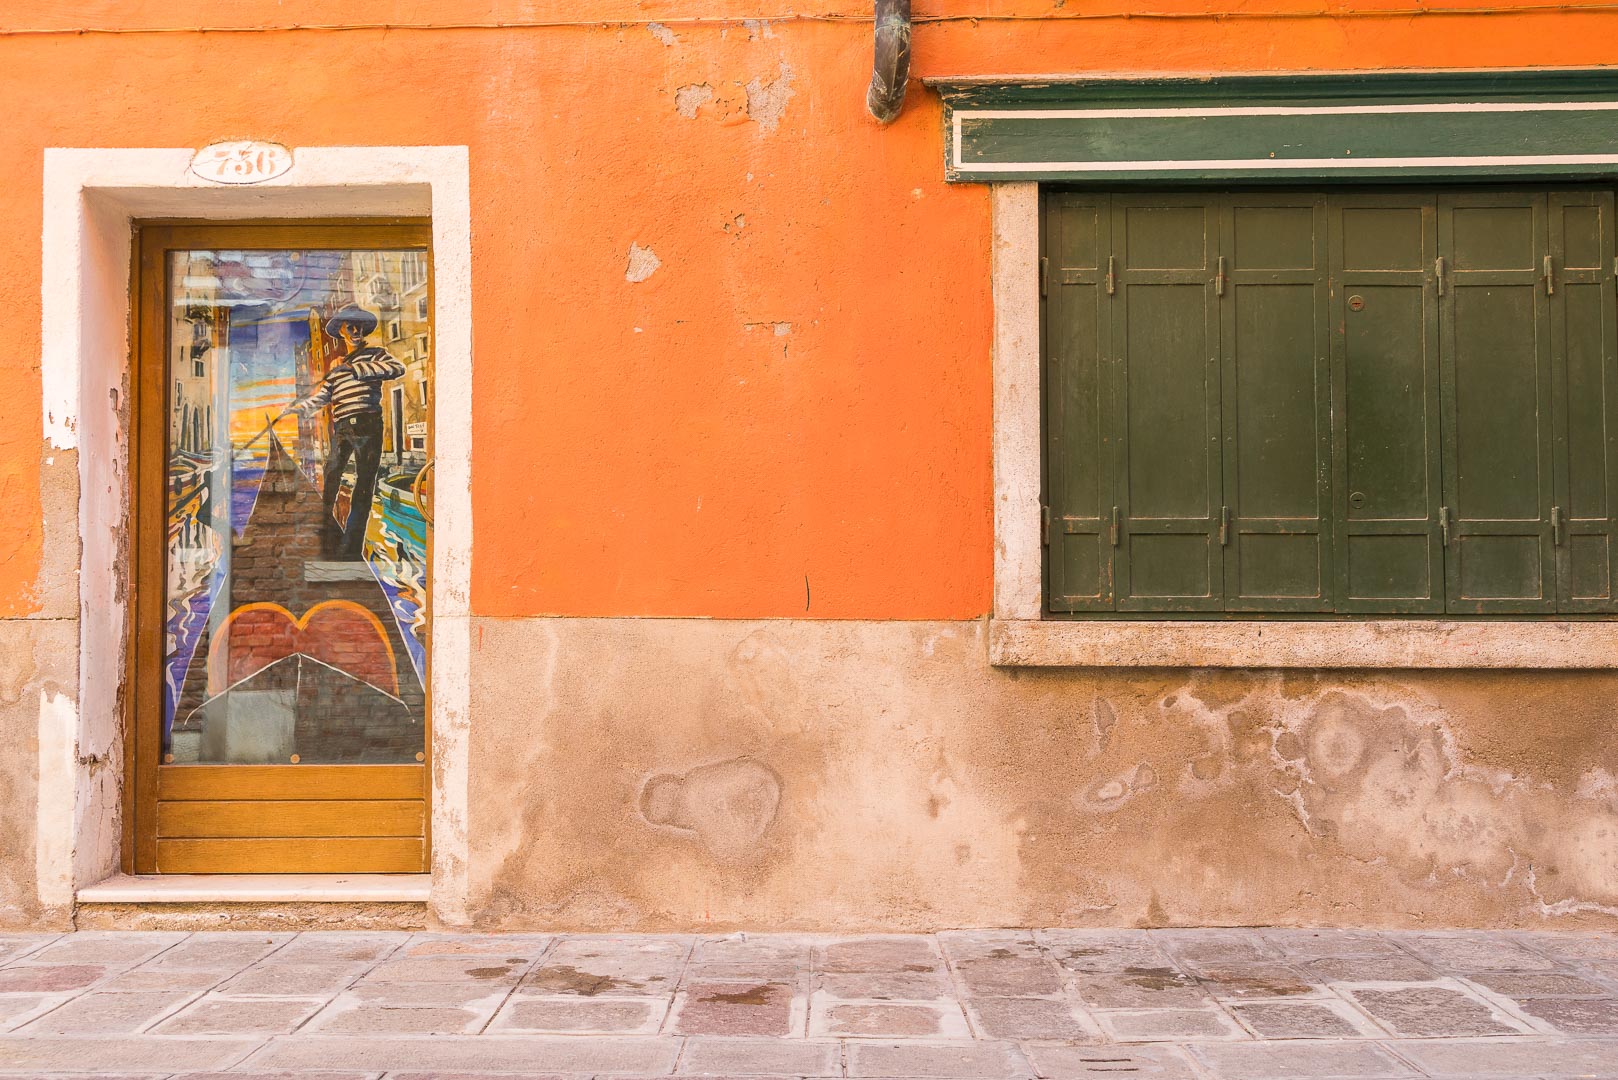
pixel 679 773
pixel 38 674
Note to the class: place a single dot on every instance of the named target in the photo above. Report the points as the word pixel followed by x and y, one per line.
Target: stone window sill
pixel 1387 643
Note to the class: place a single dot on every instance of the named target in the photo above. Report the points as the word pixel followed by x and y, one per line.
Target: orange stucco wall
pixel 791 416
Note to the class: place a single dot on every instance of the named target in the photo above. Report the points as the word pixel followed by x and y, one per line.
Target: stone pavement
pixel 983 1005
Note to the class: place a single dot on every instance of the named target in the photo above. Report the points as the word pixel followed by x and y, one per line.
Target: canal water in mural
pixel 297 514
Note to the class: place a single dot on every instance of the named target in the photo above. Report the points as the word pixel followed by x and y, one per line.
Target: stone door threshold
pixel 259 889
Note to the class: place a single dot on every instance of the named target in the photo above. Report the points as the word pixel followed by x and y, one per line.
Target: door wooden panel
pixel 285 855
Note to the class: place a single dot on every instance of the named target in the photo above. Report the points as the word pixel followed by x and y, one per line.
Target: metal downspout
pixel 890 68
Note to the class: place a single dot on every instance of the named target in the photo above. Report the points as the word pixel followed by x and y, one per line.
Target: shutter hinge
pixel 1224 525
pixel 1556 526
pixel 1443 524
pixel 1045 518
pixel 1112 274
pixel 1439 271
pixel 1044 276
pixel 1219 278
pixel 1112 532
pixel 1550 277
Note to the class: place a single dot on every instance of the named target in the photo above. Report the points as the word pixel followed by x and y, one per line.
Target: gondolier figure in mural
pixel 352 390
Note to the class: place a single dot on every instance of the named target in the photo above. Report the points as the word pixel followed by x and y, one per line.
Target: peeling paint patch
pixel 727 805
pixel 643 263
pixel 691 97
pixel 662 33
pixel 767 101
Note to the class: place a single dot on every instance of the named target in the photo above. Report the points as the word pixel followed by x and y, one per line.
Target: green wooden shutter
pixel 1583 313
pixel 1277 402
pixel 1496 359
pixel 1078 458
pixel 1165 335
pixel 1386 480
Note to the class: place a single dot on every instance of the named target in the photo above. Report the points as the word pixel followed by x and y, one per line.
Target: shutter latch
pixel 1112 533
pixel 1045 524
pixel 1550 277
pixel 1219 278
pixel 1443 524
pixel 1224 525
pixel 1044 276
pixel 1556 526
pixel 1112 274
pixel 1440 269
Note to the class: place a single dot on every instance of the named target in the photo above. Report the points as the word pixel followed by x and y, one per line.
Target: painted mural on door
pixel 298 456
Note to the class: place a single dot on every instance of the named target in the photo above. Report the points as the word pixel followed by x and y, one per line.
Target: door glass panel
pixel 298 441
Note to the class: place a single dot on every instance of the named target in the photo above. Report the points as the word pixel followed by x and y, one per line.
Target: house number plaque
pixel 241 162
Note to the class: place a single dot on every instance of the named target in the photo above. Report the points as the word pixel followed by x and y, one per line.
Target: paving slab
pixel 1116 1062
pixel 1534 984
pixel 1575 1016
pixel 108 1014
pixel 1433 1011
pixel 735 1009
pixel 282 979
pixel 1259 979
pixel 238 1016
pixel 1463 951
pixel 1194 948
pixel 108 948
pixel 1511 1057
pixel 1009 976
pixel 771 1057
pixel 598 1016
pixel 1316 1061
pixel 48 978
pixel 1169 1025
pixel 887 1020
pixel 992 1061
pixel 1141 988
pixel 115 1056
pixel 884 985
pixel 1314 944
pixel 491 1053
pixel 1031 1018
pixel 594 977
pixel 1302 1020
pixel 896 954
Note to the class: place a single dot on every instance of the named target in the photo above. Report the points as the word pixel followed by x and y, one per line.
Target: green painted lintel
pixel 1292 88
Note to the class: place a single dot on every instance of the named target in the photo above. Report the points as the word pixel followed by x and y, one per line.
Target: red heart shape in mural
pixel 339 633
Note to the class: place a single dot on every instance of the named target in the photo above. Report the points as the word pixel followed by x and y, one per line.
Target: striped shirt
pixel 353 387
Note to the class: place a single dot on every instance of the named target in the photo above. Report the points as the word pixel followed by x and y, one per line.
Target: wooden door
pixel 281 565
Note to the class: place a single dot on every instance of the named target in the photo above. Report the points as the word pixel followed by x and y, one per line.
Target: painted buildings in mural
pixel 297 521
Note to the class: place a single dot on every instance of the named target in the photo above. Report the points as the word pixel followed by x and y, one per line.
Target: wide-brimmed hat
pixel 351 314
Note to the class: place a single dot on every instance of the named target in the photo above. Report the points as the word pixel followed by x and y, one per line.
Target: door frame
pixel 149 453
pixel 89 197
